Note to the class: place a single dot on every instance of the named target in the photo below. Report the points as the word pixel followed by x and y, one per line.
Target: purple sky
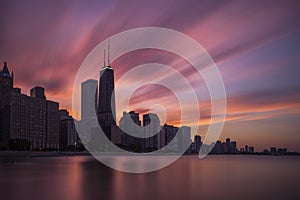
pixel 255 44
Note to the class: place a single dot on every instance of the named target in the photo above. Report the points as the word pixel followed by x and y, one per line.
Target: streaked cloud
pixel 255 45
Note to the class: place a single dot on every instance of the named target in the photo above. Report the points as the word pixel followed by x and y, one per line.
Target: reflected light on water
pixel 215 177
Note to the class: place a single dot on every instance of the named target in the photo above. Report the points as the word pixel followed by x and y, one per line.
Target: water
pixel 215 177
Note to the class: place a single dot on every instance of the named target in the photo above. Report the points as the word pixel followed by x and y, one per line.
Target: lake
pixel 214 177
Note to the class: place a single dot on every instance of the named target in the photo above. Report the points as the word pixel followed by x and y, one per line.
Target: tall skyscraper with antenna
pixel 106 101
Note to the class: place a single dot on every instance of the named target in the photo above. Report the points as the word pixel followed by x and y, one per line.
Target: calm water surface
pixel 215 177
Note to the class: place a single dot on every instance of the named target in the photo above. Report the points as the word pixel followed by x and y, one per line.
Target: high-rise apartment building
pixel 67 130
pixel 151 125
pixel 26 122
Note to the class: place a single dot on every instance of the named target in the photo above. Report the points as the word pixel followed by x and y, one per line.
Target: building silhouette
pixel 98 108
pixel 6 87
pixel 27 122
pixel 68 138
pixel 197 143
pixel 218 148
pixel 152 136
pixel 228 148
pixel 181 143
pixel 273 149
pixel 233 148
pixel 106 101
pixel 251 149
pixel 151 125
pixel 89 98
pixel 130 125
pixel 184 139
pixel 170 133
pixel 88 109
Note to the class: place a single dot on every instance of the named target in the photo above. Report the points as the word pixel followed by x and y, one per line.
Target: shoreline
pixel 30 154
pixel 6 154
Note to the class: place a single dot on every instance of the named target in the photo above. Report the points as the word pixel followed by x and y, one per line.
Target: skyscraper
pixel 129 124
pixel 67 131
pixel 6 86
pixel 88 108
pixel 106 100
pixel 151 142
pixel 170 132
pixel 27 122
pixel 88 98
pixel 228 145
pixel 233 147
pixel 197 142
pixel 184 139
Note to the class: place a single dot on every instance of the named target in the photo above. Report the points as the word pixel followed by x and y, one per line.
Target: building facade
pixel 197 143
pixel 170 133
pixel 88 109
pixel 27 122
pixel 184 139
pixel 130 125
pixel 106 111
pixel 67 131
pixel 151 125
pixel 106 100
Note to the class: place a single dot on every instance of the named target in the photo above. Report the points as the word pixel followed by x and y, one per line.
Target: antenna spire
pixel 108 58
pixel 104 59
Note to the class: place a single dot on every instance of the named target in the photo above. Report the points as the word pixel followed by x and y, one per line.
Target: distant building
pixel 116 135
pixel 170 133
pixel 193 148
pixel 89 98
pixel 151 125
pixel 162 136
pixel 197 143
pixel 88 109
pixel 282 150
pixel 67 130
pixel 27 122
pixel 228 149
pixel 233 147
pixel 130 125
pixel 273 149
pixel 52 125
pixel 206 148
pixel 218 148
pixel 106 111
pixel 251 149
pixel 224 147
pixel 184 139
pixel 138 138
pixel 266 152
pixel 276 151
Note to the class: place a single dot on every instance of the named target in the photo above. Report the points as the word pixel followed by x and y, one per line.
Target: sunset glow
pixel 255 46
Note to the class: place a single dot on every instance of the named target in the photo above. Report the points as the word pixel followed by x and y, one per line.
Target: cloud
pixel 255 45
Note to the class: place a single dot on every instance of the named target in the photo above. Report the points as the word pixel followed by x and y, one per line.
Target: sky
pixel 255 44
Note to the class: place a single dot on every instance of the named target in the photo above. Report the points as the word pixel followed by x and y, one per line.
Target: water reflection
pixel 215 177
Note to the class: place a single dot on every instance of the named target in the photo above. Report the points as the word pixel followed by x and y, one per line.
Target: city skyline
pixel 256 52
pixel 27 122
pixel 67 137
